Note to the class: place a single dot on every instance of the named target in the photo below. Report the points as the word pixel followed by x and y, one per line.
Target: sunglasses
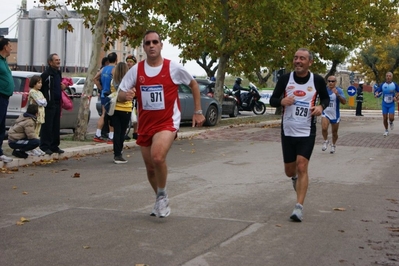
pixel 331 81
pixel 155 42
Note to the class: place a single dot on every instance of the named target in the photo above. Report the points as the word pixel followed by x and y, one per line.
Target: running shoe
pixel 294 179
pixel 98 139
pixel 386 133
pixel 153 212
pixel 391 124
pixel 332 149
pixel 110 141
pixel 119 160
pixel 6 159
pixel 30 153
pixel 162 209
pixel 297 214
pixel 325 144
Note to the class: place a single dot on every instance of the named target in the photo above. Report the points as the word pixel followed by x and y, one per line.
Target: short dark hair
pixel 32 109
pixel 50 58
pixel 112 57
pixel 104 61
pixel 34 80
pixel 152 31
pixel 4 42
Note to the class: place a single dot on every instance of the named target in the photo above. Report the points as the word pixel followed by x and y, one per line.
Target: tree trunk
pixel 99 29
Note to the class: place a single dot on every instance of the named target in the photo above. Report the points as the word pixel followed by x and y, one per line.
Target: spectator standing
pixel 297 92
pixel 131 61
pixel 6 90
pixel 157 78
pixel 359 99
pixel 389 91
pixel 22 135
pixel 122 114
pixel 331 115
pixel 51 89
pixel 36 97
pixel 103 82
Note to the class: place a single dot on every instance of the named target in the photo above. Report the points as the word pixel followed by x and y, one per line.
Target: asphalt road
pixel 230 205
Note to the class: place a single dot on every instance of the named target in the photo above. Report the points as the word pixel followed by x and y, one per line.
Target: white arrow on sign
pixel 351 91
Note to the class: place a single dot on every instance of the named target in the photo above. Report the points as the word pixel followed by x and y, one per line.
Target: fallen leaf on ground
pixel 339 209
pixel 24 193
pixel 86 247
pixel 76 175
pixel 23 220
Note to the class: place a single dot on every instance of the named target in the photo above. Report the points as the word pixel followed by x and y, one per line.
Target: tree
pixel 379 54
pixel 108 21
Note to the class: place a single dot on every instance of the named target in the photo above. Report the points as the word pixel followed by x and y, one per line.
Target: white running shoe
pixel 391 124
pixel 386 133
pixel 297 214
pixel 30 153
pixel 332 149
pixel 6 159
pixel 325 144
pixel 162 208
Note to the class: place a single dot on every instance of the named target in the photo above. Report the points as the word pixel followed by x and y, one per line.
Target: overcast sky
pixel 8 17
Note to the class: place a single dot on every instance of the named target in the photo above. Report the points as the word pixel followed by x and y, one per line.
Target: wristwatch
pixel 198 112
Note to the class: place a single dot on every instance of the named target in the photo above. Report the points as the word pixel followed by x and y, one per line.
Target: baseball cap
pixel 131 57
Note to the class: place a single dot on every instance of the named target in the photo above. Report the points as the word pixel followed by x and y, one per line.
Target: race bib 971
pixel 152 97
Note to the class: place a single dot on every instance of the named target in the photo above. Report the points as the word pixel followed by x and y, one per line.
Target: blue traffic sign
pixel 351 90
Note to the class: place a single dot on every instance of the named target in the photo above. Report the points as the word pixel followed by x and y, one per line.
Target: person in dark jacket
pixel 6 90
pixel 51 89
pixel 359 99
pixel 22 135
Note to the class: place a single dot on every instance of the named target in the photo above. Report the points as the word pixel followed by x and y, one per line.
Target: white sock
pixel 111 135
pixel 98 132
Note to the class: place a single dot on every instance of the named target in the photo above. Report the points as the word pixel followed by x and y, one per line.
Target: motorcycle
pixel 250 100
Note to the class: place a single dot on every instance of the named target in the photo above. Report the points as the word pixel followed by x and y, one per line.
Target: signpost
pixel 3 32
pixel 351 92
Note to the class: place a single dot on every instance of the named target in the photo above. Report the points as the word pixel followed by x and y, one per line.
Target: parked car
pixel 78 84
pixel 19 100
pixel 229 104
pixel 210 107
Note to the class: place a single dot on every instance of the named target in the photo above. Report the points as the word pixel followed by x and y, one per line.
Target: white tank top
pixel 297 118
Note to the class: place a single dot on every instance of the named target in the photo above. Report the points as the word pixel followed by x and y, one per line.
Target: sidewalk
pixel 93 148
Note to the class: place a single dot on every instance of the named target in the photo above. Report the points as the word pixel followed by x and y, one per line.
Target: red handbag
pixel 66 102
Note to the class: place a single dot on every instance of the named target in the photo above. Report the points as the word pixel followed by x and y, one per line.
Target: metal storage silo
pixel 37 12
pixel 41 43
pixel 57 40
pixel 74 45
pixel 25 44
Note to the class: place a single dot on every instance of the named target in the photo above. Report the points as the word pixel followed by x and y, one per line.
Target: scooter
pixel 250 100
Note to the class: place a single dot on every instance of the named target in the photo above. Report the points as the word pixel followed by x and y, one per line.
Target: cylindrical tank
pixel 41 40
pixel 57 39
pixel 56 13
pixel 74 44
pixel 37 13
pixel 25 41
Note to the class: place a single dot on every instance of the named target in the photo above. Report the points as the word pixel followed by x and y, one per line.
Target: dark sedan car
pixel 229 104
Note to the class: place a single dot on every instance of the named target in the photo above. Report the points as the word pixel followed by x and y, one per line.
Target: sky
pixel 9 8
